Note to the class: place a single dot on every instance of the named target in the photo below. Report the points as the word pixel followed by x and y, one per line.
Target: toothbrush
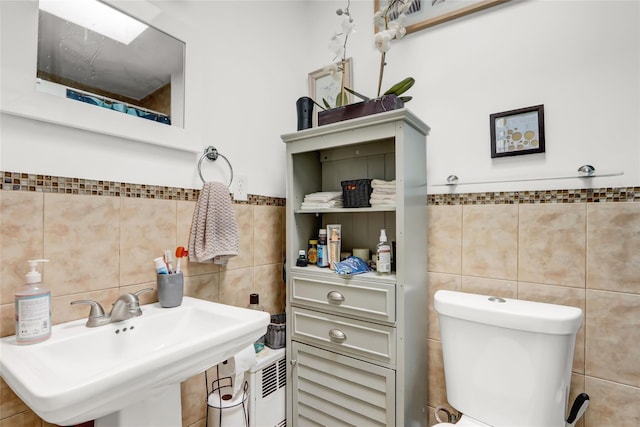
pixel 180 253
pixel 168 258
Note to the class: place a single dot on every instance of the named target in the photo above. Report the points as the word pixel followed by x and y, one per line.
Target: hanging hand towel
pixel 214 230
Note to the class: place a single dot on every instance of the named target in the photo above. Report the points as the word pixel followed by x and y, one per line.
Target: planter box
pixel 359 109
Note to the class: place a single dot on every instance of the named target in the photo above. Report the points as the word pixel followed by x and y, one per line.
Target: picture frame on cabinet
pixel 427 13
pixel 325 84
pixel 517 132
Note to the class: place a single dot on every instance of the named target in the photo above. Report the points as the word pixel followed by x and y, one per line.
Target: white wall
pixel 578 58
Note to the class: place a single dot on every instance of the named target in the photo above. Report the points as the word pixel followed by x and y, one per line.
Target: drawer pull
pixel 335 297
pixel 336 335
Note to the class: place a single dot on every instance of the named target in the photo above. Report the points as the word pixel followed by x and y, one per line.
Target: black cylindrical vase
pixel 305 112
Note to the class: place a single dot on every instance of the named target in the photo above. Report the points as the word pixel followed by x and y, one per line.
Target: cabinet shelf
pixel 328 273
pixel 344 210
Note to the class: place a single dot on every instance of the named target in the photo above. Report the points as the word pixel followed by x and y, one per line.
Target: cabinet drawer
pixel 345 335
pixel 353 297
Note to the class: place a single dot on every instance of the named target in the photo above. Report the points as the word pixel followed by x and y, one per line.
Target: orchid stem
pixel 382 59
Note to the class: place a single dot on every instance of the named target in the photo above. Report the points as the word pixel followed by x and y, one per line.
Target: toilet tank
pixel 507 362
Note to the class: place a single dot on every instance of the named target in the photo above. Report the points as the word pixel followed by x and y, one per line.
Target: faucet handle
pixel 134 307
pixel 96 315
pixel 96 308
pixel 142 291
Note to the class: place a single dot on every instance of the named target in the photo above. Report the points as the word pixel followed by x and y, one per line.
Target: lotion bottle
pixel 383 255
pixel 33 308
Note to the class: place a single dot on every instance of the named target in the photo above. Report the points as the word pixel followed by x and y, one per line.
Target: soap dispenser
pixel 33 308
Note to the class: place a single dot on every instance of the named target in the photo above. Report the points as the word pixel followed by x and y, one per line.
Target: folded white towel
pixel 317 205
pixel 382 183
pixel 214 234
pixel 384 190
pixel 381 197
pixel 383 203
pixel 323 196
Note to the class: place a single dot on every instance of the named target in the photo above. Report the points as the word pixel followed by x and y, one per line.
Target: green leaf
pixel 406 99
pixel 401 87
pixel 342 99
pixel 326 104
pixel 359 95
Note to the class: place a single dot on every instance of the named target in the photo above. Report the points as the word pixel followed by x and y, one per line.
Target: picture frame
pixel 427 13
pixel 322 85
pixel 517 132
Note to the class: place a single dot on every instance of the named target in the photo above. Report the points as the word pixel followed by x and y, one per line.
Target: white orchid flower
pixel 382 41
pixel 378 19
pixel 348 26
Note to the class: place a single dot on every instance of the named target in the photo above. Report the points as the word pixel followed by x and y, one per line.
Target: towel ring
pixel 211 153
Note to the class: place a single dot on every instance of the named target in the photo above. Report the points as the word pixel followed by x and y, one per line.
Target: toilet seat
pixel 464 422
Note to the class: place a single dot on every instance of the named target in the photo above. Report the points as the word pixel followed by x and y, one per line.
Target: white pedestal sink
pixel 128 373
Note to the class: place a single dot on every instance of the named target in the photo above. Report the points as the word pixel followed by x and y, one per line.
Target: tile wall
pixel 101 238
pixel 577 248
pixel 568 247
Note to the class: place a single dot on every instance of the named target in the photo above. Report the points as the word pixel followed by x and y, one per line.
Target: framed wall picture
pixel 517 132
pixel 324 85
pixel 427 13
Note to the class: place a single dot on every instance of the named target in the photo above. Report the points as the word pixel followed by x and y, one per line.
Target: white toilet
pixel 507 362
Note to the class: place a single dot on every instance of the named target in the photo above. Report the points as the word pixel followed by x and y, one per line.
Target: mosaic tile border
pixel 17 181
pixel 583 195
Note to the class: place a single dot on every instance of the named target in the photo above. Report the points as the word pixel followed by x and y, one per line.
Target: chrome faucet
pixel 126 306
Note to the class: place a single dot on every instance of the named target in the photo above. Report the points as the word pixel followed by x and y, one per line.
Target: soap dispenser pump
pixel 33 308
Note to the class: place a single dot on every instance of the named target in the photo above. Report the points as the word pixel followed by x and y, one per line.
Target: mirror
pixel 91 52
pixel 21 96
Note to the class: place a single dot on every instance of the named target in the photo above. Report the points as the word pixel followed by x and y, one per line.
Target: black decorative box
pixel 356 193
pixel 360 109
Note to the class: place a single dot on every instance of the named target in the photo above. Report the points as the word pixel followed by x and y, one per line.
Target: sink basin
pixel 82 374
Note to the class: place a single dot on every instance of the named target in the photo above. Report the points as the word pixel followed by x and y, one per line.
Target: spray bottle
pixel 383 255
pixel 33 308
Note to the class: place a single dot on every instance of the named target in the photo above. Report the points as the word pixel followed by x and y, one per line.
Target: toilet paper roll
pixel 236 366
pixel 362 253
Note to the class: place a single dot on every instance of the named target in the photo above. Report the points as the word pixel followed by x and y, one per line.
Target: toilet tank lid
pixel 509 313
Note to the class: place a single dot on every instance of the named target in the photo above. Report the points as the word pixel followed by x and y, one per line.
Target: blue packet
pixel 351 265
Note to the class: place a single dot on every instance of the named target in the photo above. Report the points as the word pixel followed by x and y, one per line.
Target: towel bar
pixel 211 153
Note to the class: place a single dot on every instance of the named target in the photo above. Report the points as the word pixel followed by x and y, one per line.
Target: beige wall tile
pixel 203 286
pixel 491 287
pixel 194 394
pixel 564 296
pixel 612 337
pixel 184 220
pixel 552 244
pixel 10 404
pixel 438 281
pixel 267 235
pixel 21 237
pixel 267 281
pixel 86 224
pixel 244 218
pixel 148 228
pixel 23 419
pixel 611 404
pixel 7 319
pixel 613 241
pixel 235 286
pixel 490 241
pixel 445 239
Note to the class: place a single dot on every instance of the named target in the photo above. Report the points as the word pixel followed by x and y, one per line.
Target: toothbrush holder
pixel 170 289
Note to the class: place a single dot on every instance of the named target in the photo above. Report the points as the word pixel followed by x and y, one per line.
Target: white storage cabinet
pixel 357 346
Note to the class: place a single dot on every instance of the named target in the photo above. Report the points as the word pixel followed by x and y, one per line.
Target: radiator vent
pixel 273 377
